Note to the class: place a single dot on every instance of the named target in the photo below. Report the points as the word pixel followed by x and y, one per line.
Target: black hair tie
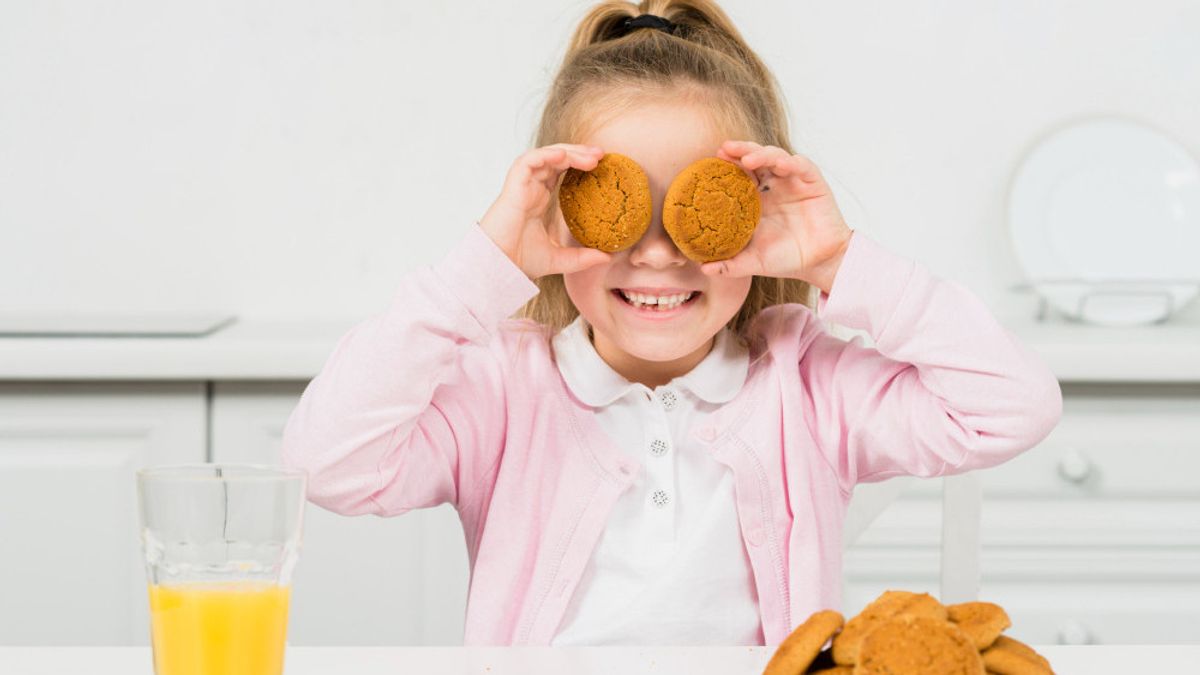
pixel 630 24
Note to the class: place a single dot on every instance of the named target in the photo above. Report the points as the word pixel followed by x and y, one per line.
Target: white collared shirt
pixel 670 567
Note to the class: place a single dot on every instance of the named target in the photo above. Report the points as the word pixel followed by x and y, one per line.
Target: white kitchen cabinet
pixel 1091 537
pixel 361 580
pixel 71 571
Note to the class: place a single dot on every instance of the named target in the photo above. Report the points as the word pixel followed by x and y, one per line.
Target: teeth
pixel 663 302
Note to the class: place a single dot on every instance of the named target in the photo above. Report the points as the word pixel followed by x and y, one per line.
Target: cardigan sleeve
pixel 944 390
pixel 408 410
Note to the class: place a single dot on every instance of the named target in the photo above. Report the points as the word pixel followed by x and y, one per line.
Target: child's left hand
pixel 801 233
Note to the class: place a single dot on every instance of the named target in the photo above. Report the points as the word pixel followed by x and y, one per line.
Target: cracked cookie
pixel 917 644
pixel 609 207
pixel 886 606
pixel 797 652
pixel 1009 656
pixel 982 622
pixel 711 209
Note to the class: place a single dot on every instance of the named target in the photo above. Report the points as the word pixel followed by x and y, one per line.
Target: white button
pixel 754 534
pixel 658 447
pixel 660 497
pixel 669 399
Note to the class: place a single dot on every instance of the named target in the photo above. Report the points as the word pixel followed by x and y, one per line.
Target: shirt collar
pixel 716 379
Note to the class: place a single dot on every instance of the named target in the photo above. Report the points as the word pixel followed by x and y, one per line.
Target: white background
pixel 295 158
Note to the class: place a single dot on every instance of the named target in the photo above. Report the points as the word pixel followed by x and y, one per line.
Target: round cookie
pixel 889 604
pixel 917 645
pixel 798 649
pixel 1008 656
pixel 711 210
pixel 982 622
pixel 609 207
pixel 824 663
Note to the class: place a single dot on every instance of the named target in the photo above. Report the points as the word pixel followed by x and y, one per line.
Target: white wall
pixel 295 158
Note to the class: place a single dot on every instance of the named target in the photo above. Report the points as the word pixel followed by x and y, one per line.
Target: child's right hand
pixel 517 220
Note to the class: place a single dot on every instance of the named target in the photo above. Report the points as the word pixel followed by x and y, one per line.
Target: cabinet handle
pixel 1074 467
pixel 1073 632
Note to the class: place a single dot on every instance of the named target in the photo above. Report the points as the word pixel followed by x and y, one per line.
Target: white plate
pixel 1105 220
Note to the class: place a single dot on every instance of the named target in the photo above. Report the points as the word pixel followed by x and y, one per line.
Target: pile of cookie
pixel 901 633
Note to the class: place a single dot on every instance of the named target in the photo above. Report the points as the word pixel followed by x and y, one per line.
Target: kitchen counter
pixel 1076 352
pixel 1086 660
pixel 248 349
pixel 261 349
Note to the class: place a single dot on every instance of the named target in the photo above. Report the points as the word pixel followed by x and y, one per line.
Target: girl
pixel 660 452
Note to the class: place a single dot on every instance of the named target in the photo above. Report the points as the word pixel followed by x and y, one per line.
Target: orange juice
pixel 219 628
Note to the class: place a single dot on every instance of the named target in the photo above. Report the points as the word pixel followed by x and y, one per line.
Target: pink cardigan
pixel 442 398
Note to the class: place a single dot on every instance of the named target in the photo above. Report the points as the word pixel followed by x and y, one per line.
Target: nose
pixel 655 249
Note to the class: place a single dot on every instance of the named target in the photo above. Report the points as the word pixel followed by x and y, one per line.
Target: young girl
pixel 660 452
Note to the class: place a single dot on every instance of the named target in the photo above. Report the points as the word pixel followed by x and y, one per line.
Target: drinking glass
pixel 220 542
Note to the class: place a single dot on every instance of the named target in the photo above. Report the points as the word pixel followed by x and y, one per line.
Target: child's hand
pixel 801 233
pixel 517 220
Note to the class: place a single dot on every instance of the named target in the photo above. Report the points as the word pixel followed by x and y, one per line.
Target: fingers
pixel 545 163
pixel 773 159
pixel 777 161
pixel 563 155
pixel 744 264
pixel 568 259
pixel 736 149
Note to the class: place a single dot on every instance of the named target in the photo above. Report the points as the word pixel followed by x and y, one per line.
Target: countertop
pixel 247 349
pixel 295 349
pixel 1086 660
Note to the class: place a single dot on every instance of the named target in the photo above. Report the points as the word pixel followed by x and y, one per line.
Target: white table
pixel 1091 660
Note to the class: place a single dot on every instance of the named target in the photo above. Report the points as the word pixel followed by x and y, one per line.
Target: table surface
pixel 1085 660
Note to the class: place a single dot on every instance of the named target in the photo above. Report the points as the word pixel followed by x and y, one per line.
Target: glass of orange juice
pixel 221 542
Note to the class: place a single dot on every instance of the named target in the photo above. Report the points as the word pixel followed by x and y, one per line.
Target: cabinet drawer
pixel 1107 446
pixel 1031 564
pixel 1169 524
pixel 71 572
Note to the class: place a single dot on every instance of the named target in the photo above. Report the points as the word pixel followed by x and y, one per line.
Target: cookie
pixel 886 606
pixel 823 662
pixel 1009 656
pixel 836 670
pixel 798 650
pixel 711 210
pixel 917 645
pixel 609 207
pixel 982 622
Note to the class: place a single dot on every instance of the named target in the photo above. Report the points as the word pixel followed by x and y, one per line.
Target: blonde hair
pixel 704 59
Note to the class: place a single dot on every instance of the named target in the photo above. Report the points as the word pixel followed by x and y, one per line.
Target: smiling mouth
pixel 656 303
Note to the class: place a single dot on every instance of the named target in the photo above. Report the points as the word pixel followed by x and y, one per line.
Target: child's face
pixel 662 139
